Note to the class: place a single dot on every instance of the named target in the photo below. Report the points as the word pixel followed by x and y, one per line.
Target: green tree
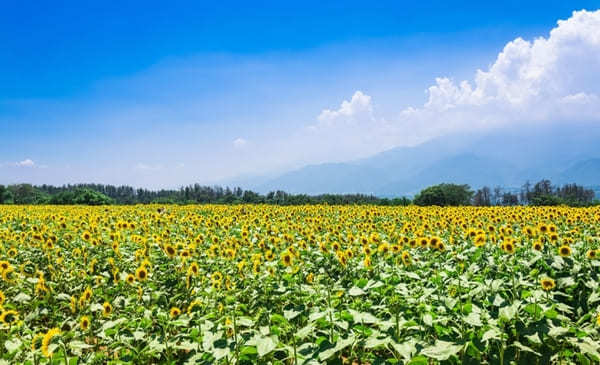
pixel 445 195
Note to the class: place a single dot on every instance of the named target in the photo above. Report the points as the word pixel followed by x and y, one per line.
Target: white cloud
pixel 25 163
pixel 359 106
pixel 148 167
pixel 546 80
pixel 239 143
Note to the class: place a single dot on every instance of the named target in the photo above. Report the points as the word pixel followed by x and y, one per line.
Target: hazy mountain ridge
pixel 506 158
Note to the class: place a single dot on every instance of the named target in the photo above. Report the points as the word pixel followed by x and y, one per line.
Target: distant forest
pixel 540 193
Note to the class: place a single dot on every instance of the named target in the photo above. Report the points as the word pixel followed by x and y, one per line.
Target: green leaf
pixel 22 298
pixel 264 345
pixel 291 314
pixel 356 291
pixel 428 319
pixel 557 331
pixel 305 331
pixel 373 342
pixel 441 350
pixel 535 338
pixel 77 346
pixel 406 349
pixel 509 312
pixel 522 347
pixel 12 345
pixel 491 334
pixel 473 319
pixel 418 360
pixel 339 345
pixel 588 347
pixel 363 317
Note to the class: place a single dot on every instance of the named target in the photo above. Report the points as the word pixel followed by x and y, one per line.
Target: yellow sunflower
pixel 84 323
pixel 564 251
pixel 47 340
pixel 547 284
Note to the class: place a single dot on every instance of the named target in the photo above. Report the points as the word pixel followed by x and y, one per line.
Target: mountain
pixel 505 158
pixel 586 172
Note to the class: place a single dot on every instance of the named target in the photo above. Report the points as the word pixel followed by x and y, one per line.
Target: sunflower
pixel 130 278
pixel 141 273
pixel 9 316
pixel 592 254
pixel 106 309
pixel 216 277
pixel 256 267
pixel 87 293
pixel 86 236
pixel 48 337
pixel 336 246
pixel 406 258
pixel 310 278
pixel 479 240
pixel 509 247
pixel 269 255
pixel 170 250
pixel 84 323
pixel 4 265
pixel 286 259
pixel 538 245
pixel 367 262
pixel 174 312
pixel 36 342
pixel 2 298
pixel 548 284
pixel 12 252
pixel 441 246
pixel 564 251
pixel 73 304
pixel 193 305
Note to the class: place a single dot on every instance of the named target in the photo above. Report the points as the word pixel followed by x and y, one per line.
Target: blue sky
pixel 159 95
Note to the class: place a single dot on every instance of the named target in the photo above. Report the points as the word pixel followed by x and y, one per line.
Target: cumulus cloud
pixel 25 163
pixel 358 107
pixel 549 79
pixel 239 143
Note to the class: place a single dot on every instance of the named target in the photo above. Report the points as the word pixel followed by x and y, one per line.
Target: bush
pixel 445 195
pixel 81 197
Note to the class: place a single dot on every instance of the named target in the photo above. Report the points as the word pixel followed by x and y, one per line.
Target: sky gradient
pixel 159 96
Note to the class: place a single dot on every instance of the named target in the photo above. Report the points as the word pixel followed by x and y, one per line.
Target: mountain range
pixel 506 158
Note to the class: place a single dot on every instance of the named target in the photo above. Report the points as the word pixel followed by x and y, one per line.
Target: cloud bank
pixel 546 80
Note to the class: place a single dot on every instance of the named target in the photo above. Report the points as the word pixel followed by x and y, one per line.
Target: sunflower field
pixel 258 284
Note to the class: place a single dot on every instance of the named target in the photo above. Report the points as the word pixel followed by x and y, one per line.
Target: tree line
pixel 540 193
pixel 99 194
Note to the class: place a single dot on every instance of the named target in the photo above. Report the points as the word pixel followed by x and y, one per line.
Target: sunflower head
pixel 141 273
pixel 547 284
pixel 406 258
pixel 47 341
pixel 84 323
pixel 174 312
pixel 170 250
pixel 509 247
pixel 564 251
pixel 36 342
pixel 286 259
pixel 107 309
pixel 9 317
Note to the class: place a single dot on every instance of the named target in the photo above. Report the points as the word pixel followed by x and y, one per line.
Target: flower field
pixel 251 284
